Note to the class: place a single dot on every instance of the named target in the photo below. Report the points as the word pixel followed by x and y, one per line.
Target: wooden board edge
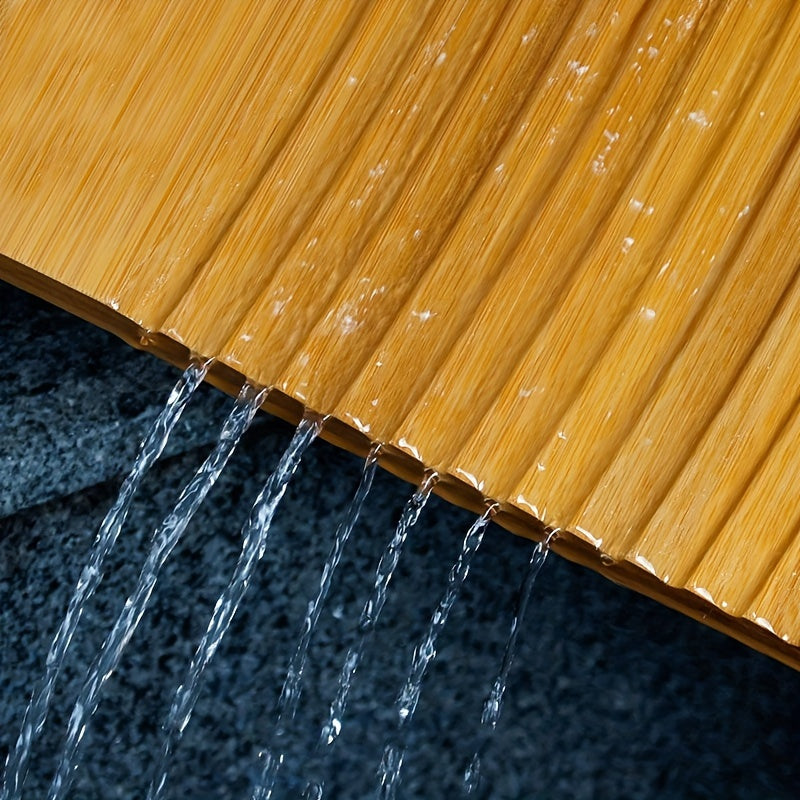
pixel 567 544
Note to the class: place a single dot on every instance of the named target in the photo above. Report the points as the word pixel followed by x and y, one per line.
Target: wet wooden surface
pixel 547 249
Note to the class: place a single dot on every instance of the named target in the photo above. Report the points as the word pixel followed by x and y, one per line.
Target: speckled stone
pixel 611 696
pixel 76 402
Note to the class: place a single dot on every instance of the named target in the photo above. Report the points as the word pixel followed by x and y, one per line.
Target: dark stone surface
pixel 75 404
pixel 612 696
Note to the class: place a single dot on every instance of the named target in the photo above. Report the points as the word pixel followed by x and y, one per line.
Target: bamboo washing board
pixel 549 249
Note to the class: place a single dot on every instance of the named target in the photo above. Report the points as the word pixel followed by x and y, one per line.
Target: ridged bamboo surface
pixel 549 249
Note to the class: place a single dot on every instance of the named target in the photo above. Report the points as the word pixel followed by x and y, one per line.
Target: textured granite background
pixel 612 696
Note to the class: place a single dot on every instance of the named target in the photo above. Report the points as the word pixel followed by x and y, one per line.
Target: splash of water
pixel 369 620
pixel 424 654
pixel 91 576
pixel 255 535
pixel 493 706
pixel 164 540
pixel 293 683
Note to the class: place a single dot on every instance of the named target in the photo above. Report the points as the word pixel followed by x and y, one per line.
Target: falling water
pixel 254 541
pixel 165 538
pixel 292 685
pixel 91 576
pixel 369 619
pixel 493 706
pixel 425 652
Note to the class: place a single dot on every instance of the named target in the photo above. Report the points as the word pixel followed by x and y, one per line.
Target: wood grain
pixel 550 250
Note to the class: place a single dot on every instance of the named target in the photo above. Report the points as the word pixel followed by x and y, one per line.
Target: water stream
pixel 293 683
pixel 493 706
pixel 164 540
pixel 255 535
pixel 424 654
pixel 91 576
pixel 368 621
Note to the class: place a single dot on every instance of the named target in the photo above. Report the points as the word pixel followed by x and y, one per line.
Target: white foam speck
pixel 441 58
pixel 470 479
pixel 599 163
pixel 578 68
pixel 423 316
pixel 361 426
pixel 352 80
pixel 699 118
pixel 764 623
pixel 409 448
pixel 704 593
pixel 627 243
pixel 598 543
pixel 647 313
pixel 347 321
pixel 643 562
pixel 521 501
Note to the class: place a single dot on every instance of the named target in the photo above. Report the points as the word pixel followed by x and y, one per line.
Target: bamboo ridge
pixel 549 250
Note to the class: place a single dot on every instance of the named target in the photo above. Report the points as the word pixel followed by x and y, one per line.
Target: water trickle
pixel 91 576
pixel 164 540
pixel 493 706
pixel 254 541
pixel 293 683
pixel 369 619
pixel 424 654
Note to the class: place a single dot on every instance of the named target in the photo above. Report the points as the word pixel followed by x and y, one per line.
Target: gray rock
pixel 611 696
pixel 75 404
